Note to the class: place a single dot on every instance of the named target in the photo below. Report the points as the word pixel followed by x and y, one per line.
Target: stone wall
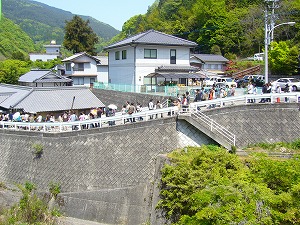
pixel 110 175
pixel 254 123
pixel 106 174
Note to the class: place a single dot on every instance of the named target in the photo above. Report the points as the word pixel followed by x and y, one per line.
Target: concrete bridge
pixel 111 174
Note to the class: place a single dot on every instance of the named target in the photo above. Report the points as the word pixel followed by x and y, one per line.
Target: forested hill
pixel 234 26
pixel 13 40
pixel 45 23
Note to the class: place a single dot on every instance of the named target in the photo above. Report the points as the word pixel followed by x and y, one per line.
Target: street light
pixel 268 32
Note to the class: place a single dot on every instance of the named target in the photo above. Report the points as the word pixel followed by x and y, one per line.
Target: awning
pixel 177 75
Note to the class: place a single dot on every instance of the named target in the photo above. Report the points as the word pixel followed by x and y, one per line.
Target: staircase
pixel 211 128
pixel 249 71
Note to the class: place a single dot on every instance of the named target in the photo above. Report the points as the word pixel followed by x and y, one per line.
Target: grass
pixel 278 147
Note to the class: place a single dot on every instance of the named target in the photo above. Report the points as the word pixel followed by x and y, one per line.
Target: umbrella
pixel 112 106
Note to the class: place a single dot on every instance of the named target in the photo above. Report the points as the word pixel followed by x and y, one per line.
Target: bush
pixel 210 186
pixel 30 209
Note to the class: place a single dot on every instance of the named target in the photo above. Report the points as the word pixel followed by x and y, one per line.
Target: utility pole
pixel 270 6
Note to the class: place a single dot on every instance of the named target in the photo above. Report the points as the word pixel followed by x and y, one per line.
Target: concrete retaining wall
pixel 106 174
pixel 111 174
pixel 254 123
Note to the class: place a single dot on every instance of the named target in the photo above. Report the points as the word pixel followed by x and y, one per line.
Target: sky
pixel 112 12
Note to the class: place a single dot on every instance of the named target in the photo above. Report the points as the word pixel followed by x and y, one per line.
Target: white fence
pixel 248 99
pixel 118 119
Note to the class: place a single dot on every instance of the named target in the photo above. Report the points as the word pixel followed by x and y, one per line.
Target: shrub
pixel 38 149
pixel 30 209
pixel 54 189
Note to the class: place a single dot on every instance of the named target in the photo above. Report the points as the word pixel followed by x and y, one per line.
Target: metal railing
pixel 216 128
pixel 118 119
pixel 248 99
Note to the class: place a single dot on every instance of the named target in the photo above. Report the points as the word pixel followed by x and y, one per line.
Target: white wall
pixel 122 71
pixel 42 57
pixel 102 73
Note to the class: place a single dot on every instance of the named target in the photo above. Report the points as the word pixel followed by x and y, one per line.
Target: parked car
pixel 210 81
pixel 258 80
pixel 226 80
pixel 258 57
pixel 295 83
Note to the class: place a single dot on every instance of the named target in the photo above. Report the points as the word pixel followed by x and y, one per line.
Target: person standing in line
pixel 151 107
pixel 188 97
pixel 139 109
pixel 232 90
pixel 196 99
pixel 82 118
pixel 73 118
pixel 131 110
pixel 159 106
pixel 250 91
pixel 124 112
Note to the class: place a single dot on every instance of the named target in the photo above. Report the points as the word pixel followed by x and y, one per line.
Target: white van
pixel 258 57
pixel 209 81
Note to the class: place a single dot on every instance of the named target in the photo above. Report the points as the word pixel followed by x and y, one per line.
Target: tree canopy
pixel 79 36
pixel 208 185
pixel 236 26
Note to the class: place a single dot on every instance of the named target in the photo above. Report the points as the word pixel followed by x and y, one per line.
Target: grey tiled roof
pixel 210 57
pixel 33 99
pixel 42 76
pixel 153 37
pixel 12 94
pixel 78 55
pixel 103 60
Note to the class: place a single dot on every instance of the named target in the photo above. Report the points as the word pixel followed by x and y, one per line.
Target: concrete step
pixel 75 221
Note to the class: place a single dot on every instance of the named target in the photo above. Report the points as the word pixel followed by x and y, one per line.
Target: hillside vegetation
pixel 13 40
pixel 44 23
pixel 235 26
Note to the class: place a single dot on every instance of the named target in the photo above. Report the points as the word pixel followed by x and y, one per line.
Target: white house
pixel 52 52
pixel 209 63
pixel 133 58
pixel 85 69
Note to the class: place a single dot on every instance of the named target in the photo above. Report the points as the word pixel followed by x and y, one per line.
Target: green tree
pixel 283 58
pixel 79 36
pixel 11 70
pixel 208 185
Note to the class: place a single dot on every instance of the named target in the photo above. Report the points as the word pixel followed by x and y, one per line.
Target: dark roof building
pixel 210 63
pixel 44 78
pixel 153 37
pixel 47 99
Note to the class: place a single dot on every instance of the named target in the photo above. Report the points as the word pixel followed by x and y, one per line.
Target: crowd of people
pixel 182 102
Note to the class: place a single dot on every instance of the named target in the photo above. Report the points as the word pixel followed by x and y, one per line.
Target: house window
pixel 79 67
pixel 78 81
pixel 68 66
pixel 117 55
pixel 124 54
pixel 173 56
pixel 150 53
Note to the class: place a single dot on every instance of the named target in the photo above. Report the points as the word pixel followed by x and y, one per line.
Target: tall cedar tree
pixel 79 36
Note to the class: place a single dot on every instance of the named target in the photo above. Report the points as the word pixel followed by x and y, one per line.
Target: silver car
pixel 295 83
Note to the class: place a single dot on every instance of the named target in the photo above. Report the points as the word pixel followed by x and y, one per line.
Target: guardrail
pixel 248 99
pixel 118 119
pixel 214 127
